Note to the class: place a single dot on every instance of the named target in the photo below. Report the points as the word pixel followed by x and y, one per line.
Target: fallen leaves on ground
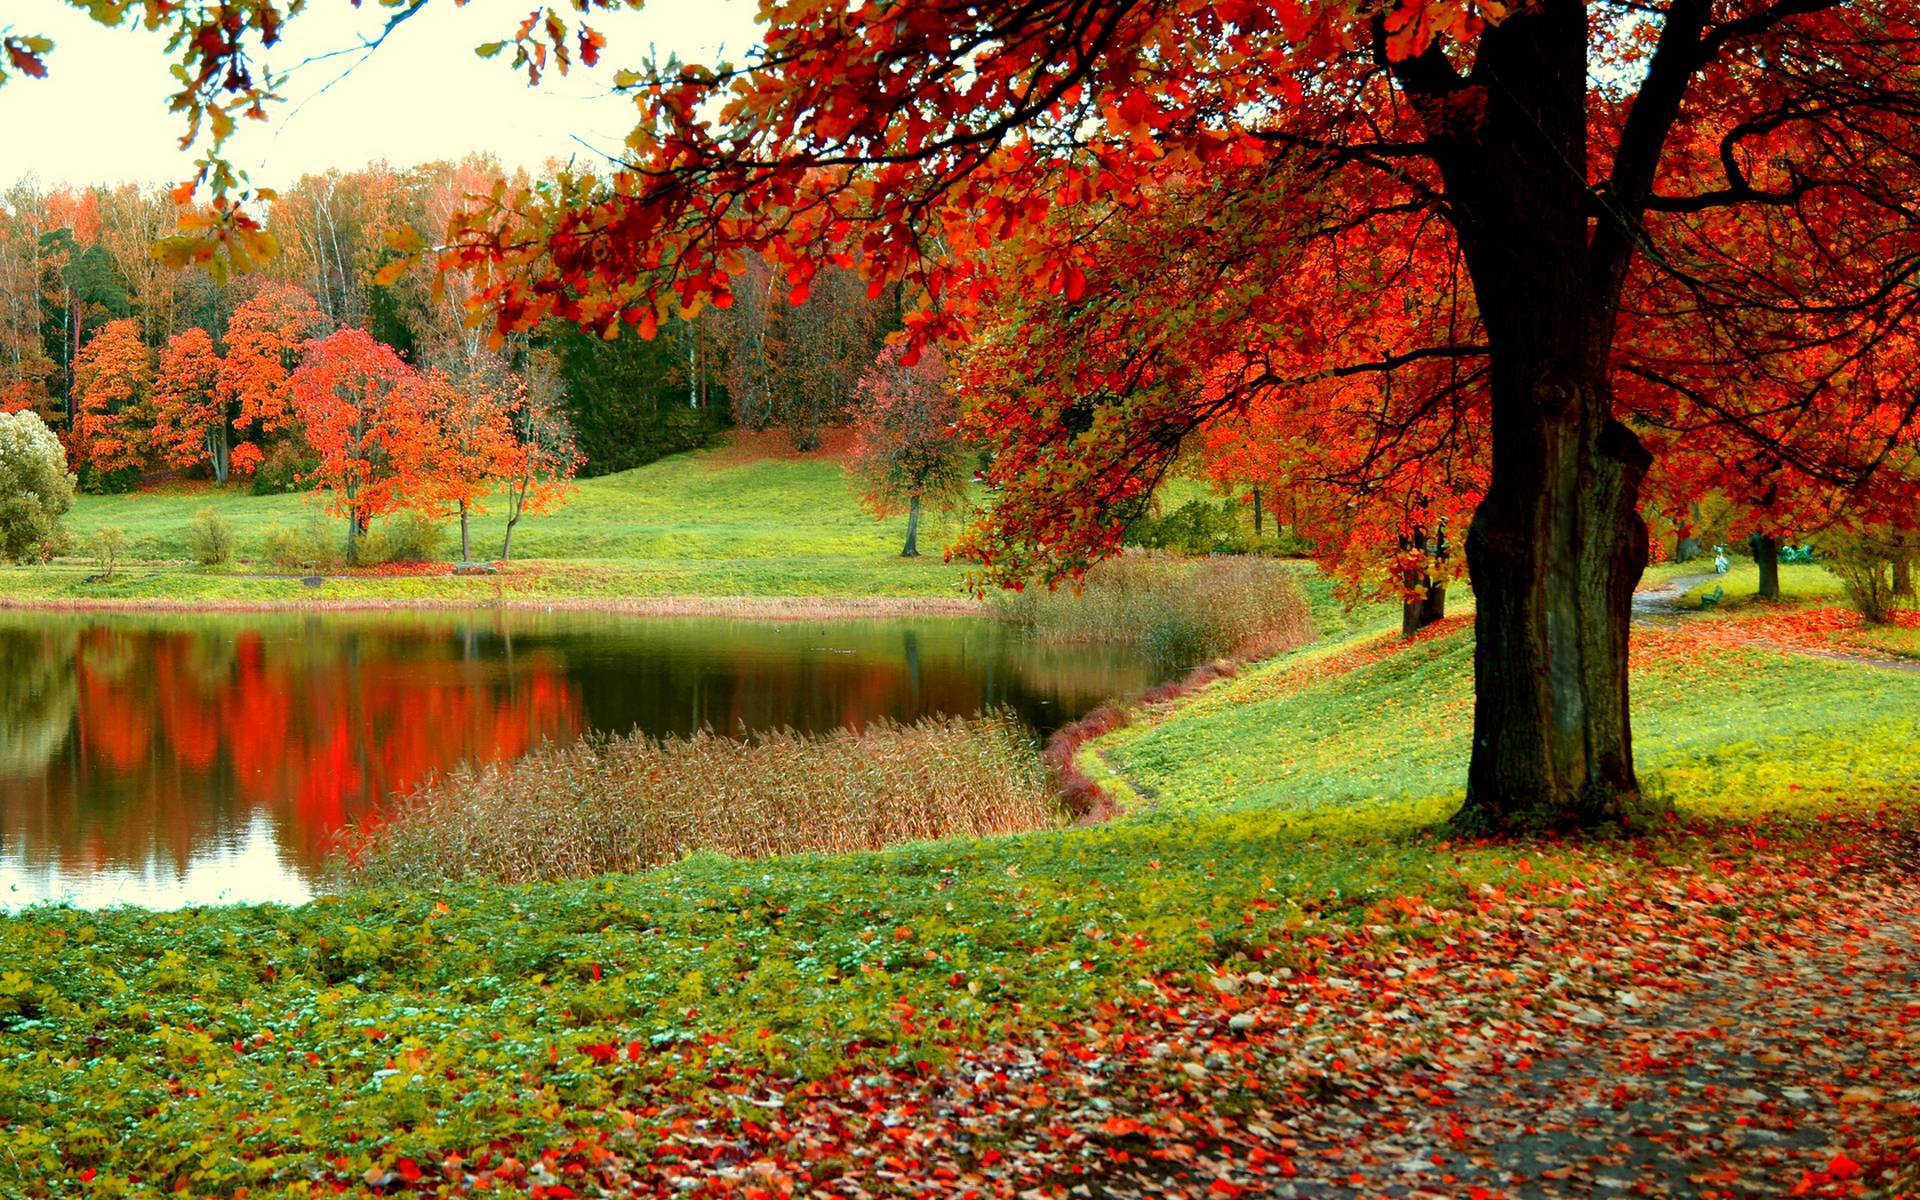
pixel 1725 1012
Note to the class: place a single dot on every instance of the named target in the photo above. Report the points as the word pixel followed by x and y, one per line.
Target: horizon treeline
pixel 73 260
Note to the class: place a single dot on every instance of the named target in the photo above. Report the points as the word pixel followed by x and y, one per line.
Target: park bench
pixel 1709 599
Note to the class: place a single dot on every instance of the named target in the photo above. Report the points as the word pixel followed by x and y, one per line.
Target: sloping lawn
pixel 548 1039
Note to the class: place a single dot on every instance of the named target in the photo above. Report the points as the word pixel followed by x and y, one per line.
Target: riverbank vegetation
pixel 608 805
pixel 1182 610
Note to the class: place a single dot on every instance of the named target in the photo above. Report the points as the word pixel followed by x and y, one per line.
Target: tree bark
pixel 912 548
pixel 1766 556
pixel 1557 544
pixel 1435 608
pixel 466 543
pixel 1257 513
pixel 1903 576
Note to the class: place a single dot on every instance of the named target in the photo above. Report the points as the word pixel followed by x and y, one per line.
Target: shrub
pixel 1195 527
pixel 306 547
pixel 1865 567
pixel 1182 611
pixel 35 489
pixel 117 482
pixel 109 543
pixel 283 468
pixel 621 804
pixel 210 538
pixel 405 537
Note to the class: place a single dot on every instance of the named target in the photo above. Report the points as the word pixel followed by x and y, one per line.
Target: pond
pixel 175 760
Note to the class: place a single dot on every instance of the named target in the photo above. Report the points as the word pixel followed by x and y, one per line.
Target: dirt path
pixel 1665 599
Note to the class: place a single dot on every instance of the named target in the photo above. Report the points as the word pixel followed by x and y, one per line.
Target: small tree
pixel 348 395
pixel 189 419
pixel 109 543
pixel 539 465
pixel 112 380
pixel 35 489
pixel 907 451
pixel 461 447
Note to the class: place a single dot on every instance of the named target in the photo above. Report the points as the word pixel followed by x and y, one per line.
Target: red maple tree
pixel 189 423
pixel 357 402
pixel 112 380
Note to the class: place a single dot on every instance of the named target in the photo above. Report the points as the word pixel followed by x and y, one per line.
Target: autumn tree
pixel 541 457
pixel 265 340
pixel 907 449
pixel 462 443
pixel 1712 199
pixel 792 353
pixel 113 380
pixel 189 424
pixel 355 399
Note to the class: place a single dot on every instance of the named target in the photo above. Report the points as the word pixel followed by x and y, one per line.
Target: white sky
pixel 101 117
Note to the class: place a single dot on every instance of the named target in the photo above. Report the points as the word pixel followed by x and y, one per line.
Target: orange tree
pixel 358 404
pixel 188 424
pixel 264 343
pixel 461 444
pixel 112 380
pixel 1696 194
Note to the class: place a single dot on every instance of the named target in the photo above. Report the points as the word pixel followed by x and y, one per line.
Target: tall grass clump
pixel 614 804
pixel 1181 610
pixel 210 538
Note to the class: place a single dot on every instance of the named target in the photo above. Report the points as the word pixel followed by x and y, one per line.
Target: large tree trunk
pixel 1766 556
pixel 1555 551
pixel 1903 576
pixel 466 543
pixel 912 548
pixel 1258 515
pixel 1557 544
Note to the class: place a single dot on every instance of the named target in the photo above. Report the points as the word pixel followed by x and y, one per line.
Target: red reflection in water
pixel 179 740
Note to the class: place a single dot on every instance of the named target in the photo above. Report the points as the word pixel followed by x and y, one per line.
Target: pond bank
pixel 746 608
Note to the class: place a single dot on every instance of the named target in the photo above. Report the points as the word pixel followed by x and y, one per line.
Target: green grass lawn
pixel 702 524
pixel 1741 585
pixel 283 1049
pixel 1715 731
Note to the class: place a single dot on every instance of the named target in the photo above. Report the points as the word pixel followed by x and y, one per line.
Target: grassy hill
pixel 712 523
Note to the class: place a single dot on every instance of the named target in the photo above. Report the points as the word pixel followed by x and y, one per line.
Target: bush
pixel 210 538
pixel 1195 527
pixel 35 489
pixel 109 483
pixel 1864 564
pixel 621 804
pixel 283 469
pixel 1182 611
pixel 404 538
pixel 307 547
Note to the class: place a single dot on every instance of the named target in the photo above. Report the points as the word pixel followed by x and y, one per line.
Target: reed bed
pixel 1182 610
pixel 615 804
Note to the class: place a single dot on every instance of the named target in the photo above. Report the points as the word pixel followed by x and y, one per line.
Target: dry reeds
pixel 622 804
pixel 1182 610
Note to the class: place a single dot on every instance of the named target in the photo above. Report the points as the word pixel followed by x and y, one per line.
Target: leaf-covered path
pixel 1703 1015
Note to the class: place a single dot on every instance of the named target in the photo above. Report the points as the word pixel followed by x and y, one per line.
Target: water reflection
pixel 172 760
